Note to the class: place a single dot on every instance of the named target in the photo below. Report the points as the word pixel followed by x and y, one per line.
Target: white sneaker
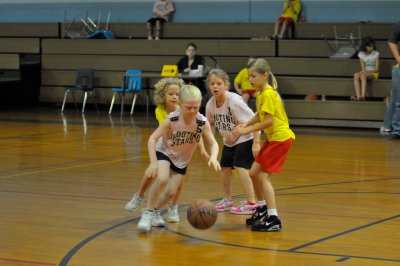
pixel 157 38
pixel 146 220
pixel 224 205
pixel 157 219
pixel 383 129
pixel 173 215
pixel 149 38
pixel 134 203
pixel 244 208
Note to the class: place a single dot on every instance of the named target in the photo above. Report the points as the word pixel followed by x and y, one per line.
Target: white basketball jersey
pixel 233 112
pixel 181 139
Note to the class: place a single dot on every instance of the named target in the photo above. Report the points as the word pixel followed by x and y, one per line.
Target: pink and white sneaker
pixel 244 208
pixel 224 205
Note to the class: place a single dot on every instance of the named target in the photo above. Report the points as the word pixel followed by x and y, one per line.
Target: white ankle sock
pixel 272 212
pixel 261 203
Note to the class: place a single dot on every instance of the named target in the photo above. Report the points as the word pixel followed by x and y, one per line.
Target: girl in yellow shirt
pixel 291 10
pixel 271 118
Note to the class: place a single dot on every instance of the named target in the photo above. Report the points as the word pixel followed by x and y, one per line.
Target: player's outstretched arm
pixel 207 133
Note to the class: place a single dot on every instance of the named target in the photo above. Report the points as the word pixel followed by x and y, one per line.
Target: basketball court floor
pixel 65 179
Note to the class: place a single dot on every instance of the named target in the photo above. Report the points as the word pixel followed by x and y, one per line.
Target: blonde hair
pixel 188 92
pixel 162 86
pixel 261 66
pixel 219 73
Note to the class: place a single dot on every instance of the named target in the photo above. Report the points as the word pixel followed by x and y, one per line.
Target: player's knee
pixel 253 174
pixel 162 182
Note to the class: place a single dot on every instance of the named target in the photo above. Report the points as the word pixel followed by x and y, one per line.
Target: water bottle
pixel 351 38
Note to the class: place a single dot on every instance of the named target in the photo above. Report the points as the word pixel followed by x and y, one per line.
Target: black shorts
pixel 152 21
pixel 240 155
pixel 162 157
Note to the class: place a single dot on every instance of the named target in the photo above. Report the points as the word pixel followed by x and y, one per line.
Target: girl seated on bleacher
pixel 369 60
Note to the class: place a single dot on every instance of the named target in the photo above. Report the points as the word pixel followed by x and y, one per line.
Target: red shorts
pixel 283 19
pixel 249 92
pixel 272 155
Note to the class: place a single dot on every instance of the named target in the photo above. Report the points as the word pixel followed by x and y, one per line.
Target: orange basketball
pixel 202 214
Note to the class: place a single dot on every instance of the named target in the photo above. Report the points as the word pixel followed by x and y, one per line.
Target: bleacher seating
pixel 302 65
pixel 251 30
pixel 20 45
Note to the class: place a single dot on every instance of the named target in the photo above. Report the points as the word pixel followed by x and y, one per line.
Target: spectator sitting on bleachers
pixel 192 61
pixel 242 84
pixel 369 60
pixel 162 9
pixel 291 10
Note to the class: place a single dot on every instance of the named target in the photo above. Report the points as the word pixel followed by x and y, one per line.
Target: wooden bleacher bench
pixel 243 30
pixel 330 86
pixel 320 49
pixel 9 62
pixel 28 30
pixel 303 65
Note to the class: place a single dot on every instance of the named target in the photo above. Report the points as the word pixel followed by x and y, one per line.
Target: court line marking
pixel 126 159
pixel 152 124
pixel 76 248
pixel 27 262
pixel 344 233
pixel 279 250
pixel 70 167
pixel 71 253
pixel 343 259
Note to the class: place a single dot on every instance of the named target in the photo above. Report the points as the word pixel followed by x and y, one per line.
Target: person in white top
pixel 162 9
pixel 171 147
pixel 369 60
pixel 225 110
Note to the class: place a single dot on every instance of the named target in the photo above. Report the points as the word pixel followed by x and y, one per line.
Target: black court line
pixel 280 250
pixel 344 192
pixel 138 124
pixel 152 123
pixel 77 163
pixel 295 250
pixel 338 183
pixel 30 262
pixel 344 233
pixel 71 253
pixel 343 259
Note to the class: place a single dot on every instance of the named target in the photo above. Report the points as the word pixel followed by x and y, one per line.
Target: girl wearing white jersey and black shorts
pixel 225 110
pixel 170 148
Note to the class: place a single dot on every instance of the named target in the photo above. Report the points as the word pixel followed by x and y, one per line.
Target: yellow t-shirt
pixel 242 78
pixel 289 13
pixel 161 114
pixel 269 101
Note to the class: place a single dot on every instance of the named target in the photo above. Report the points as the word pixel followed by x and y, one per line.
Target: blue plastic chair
pixel 132 84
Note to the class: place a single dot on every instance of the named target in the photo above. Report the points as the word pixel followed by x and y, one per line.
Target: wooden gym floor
pixel 64 181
